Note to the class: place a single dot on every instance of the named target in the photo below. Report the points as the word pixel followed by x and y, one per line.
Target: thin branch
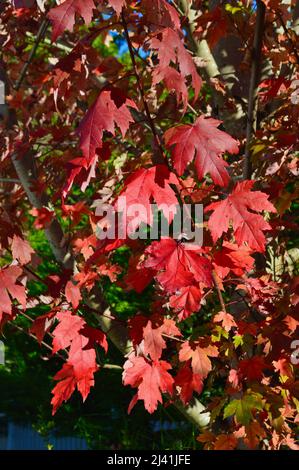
pixel 141 91
pixel 10 180
pixel 40 34
pixel 47 346
pixel 286 32
pixel 253 87
pixel 219 293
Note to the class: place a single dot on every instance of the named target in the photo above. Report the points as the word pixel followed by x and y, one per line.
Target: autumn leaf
pixel 72 294
pixel 63 16
pixel 9 289
pixel 252 368
pixel 248 226
pixel 78 372
pixel 103 115
pixel 67 329
pixel 188 382
pixel 225 442
pixel 151 379
pixel 42 324
pixel 199 356
pixel 153 341
pixel 226 319
pixel 21 250
pixel 170 48
pixel 243 408
pixel 178 265
pixel 141 189
pixel 117 5
pixel 206 143
pixel 186 302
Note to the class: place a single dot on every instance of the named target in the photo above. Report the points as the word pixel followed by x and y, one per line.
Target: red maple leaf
pixel 171 49
pixel 188 383
pixel 199 356
pixel 117 5
pixel 63 16
pixel 67 329
pixel 21 250
pixel 78 372
pixel 143 188
pixel 180 264
pixel 151 380
pixel 186 302
pixel 252 368
pixel 173 81
pixel 226 319
pixel 10 289
pixel 41 325
pixel 72 294
pixel 204 141
pixel 248 227
pixel 233 258
pixel 103 115
pixel 153 341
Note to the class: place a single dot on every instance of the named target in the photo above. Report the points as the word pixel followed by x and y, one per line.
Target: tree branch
pixel 253 87
pixel 40 34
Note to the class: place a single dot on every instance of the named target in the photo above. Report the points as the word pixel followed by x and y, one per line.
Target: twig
pixel 286 32
pixel 253 87
pixel 173 337
pixel 141 91
pixel 40 34
pixel 216 283
pixel 10 180
pixel 34 337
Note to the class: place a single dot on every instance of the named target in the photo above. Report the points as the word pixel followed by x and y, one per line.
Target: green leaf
pixel 242 408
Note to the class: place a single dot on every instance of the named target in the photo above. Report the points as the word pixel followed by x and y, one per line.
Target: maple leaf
pixel 103 115
pixel 225 442
pixel 226 319
pixel 233 258
pixel 94 336
pixel 153 341
pixel 62 17
pixel 136 325
pixel 43 216
pixel 186 302
pixel 171 49
pixel 67 330
pixel 77 372
pixel 84 364
pixel 41 325
pixel 188 383
pixel 169 327
pixel 64 388
pixel 140 189
pixel 254 433
pixel 72 294
pixel 181 264
pixel 252 368
pixel 199 356
pixel 21 250
pixel 138 277
pixel 161 13
pixel 173 81
pixel 9 287
pixel 117 5
pixel 206 143
pixel 243 408
pixel 248 227
pixel 151 380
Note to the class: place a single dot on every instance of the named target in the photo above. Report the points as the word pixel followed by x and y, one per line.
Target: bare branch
pixel 253 87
